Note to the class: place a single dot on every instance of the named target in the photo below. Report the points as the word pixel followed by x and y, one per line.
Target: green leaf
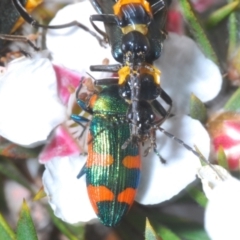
pixel 25 226
pixel 233 28
pixel 149 232
pixel 10 171
pixel 221 158
pixel 11 150
pixel 166 233
pixel 197 109
pixel 197 30
pixel 40 194
pixel 198 196
pixel 62 227
pixel 192 233
pixel 222 13
pixel 233 104
pixel 6 232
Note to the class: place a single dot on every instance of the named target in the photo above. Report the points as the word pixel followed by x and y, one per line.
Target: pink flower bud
pixel 224 130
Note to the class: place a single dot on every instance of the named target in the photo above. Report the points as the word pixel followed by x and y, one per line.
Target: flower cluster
pixel 37 97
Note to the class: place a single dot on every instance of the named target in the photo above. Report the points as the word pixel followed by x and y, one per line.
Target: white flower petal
pixel 74 47
pixel 68 195
pixel 29 104
pixel 222 214
pixel 186 70
pixel 160 182
pixel 211 177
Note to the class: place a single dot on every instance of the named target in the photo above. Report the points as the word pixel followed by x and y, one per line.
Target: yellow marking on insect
pixel 31 4
pixel 142 28
pixel 117 7
pixel 150 69
pixel 123 73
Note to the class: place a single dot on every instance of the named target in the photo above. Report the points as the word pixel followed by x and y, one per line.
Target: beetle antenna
pixel 179 141
pixel 198 154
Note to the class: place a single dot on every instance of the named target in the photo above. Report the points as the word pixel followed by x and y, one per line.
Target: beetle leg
pixel 82 171
pixel 19 38
pixel 105 68
pixel 156 7
pixel 106 18
pixel 22 11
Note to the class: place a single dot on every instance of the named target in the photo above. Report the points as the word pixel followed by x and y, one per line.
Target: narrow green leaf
pixel 25 226
pixel 197 30
pixel 62 226
pixel 6 232
pixel 10 171
pixel 233 28
pixel 192 233
pixel 198 196
pixel 222 13
pixel 221 158
pixel 149 232
pixel 197 109
pixel 166 233
pixel 233 104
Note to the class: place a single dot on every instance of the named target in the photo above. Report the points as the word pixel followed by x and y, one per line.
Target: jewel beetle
pixel 112 173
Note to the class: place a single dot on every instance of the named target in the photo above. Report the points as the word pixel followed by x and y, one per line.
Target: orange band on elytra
pixel 97 159
pixel 127 196
pixel 132 161
pixel 100 193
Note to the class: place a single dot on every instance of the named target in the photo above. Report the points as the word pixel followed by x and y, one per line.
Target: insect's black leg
pixel 165 97
pixel 36 24
pixel 106 18
pixel 105 68
pixel 106 81
pixel 165 114
pixel 18 38
pixel 160 109
pixel 159 5
pixel 82 171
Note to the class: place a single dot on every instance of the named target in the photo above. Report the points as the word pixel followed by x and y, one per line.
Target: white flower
pixel 73 47
pixel 67 194
pixel 183 72
pixel 29 103
pixel 159 182
pixel 223 210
